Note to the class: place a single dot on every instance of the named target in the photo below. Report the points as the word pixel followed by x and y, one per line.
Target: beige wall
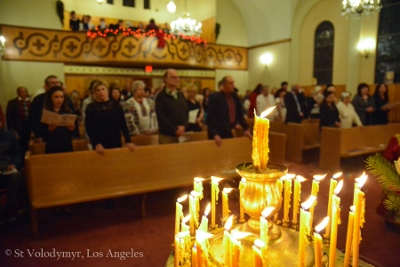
pixel 276 72
pixel 233 30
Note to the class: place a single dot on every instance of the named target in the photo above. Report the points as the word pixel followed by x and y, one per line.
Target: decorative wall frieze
pixel 32 44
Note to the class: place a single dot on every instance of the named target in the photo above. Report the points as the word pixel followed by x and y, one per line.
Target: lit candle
pixel 179 213
pixel 332 186
pixel 201 246
pixel 314 192
pixel 349 237
pixel 242 184
pixel 225 203
pixel 258 253
pixel 184 227
pixel 198 186
pixel 179 252
pixel 304 230
pixel 334 223
pixel 194 215
pixel 236 246
pixel 260 140
pixel 226 242
pixel 287 197
pixel 264 224
pixel 279 184
pixel 214 198
pixel 296 199
pixel 318 242
pixel 204 221
pixel 358 218
pixel 195 260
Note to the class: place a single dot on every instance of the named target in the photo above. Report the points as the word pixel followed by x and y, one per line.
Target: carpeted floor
pixel 101 232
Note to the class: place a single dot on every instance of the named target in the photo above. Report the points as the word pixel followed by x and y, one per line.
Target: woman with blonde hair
pixel 196 112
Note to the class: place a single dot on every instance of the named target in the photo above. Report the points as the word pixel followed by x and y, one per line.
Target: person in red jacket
pixel 253 98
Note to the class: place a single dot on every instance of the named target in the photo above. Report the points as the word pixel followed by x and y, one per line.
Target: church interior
pixel 307 43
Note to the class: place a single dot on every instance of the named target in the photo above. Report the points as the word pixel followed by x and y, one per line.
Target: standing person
pixel 17 117
pixel 115 92
pixel 58 138
pixel 195 122
pixel 105 120
pixel 224 112
pixel 253 100
pixel 284 86
pixel 206 94
pixel 171 110
pixel 347 114
pixel 329 114
pixel 364 104
pixel 315 101
pixel 381 99
pixel 264 101
pixel 294 102
pixel 141 116
pixel 74 22
pixel 280 102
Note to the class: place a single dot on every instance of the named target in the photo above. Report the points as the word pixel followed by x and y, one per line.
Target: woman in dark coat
pixel 329 114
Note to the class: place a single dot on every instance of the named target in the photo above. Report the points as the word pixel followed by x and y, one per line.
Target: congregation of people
pixel 109 113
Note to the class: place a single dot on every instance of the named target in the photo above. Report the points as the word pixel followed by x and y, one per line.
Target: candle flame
pixel 208 208
pixel 240 235
pixel 183 234
pixel 319 177
pixel 186 219
pixel 243 180
pixel 201 235
pixel 308 203
pixel 182 198
pixel 339 187
pixel 290 176
pixel 267 211
pixel 352 208
pixel 216 179
pixel 194 194
pixel 259 243
pixel 228 223
pixel 361 180
pixel 267 111
pixel 227 190
pixel 337 175
pixel 300 178
pixel 322 225
pixel 198 179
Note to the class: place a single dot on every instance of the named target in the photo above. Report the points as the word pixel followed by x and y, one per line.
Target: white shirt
pixel 264 102
pixel 348 115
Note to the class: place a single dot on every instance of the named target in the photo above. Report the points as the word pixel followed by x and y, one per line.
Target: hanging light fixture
pixel 171 7
pixel 356 8
pixel 185 25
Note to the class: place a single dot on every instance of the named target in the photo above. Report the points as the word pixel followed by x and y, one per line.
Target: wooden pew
pixel 299 137
pixel 344 143
pixel 77 145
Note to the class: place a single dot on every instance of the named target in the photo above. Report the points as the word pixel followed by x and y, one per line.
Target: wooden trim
pixel 271 43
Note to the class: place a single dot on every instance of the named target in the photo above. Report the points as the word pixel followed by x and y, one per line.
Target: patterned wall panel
pixel 121 50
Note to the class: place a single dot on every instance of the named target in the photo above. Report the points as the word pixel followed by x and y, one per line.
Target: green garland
pixel 388 178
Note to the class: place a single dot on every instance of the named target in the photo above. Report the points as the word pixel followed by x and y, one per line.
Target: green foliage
pixel 388 178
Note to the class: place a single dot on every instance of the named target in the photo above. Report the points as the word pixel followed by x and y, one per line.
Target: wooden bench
pixel 344 143
pixel 299 137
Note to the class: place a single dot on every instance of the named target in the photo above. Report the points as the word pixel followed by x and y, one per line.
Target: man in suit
pixel 17 117
pixel 225 112
pixel 294 102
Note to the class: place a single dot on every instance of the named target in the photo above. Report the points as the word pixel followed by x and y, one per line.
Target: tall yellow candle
pixel 184 227
pixel 334 224
pixel 260 141
pixel 214 198
pixel 358 219
pixel 226 242
pixel 202 250
pixel 259 253
pixel 318 242
pixel 198 186
pixel 279 184
pixel 332 186
pixel 179 213
pixel 314 192
pixel 304 230
pixel 349 238
pixel 195 260
pixel 225 203
pixel 296 199
pixel 177 246
pixel 204 221
pixel 287 197
pixel 264 224
pixel 242 184
pixel 235 252
pixel 192 210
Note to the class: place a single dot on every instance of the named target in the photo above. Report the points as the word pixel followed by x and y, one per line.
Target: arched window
pixel 323 52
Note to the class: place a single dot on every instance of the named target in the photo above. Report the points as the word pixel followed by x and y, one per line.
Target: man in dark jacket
pixel 225 112
pixel 171 109
pixel 294 102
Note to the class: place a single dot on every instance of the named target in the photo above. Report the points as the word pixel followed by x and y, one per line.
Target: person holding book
pixel 56 134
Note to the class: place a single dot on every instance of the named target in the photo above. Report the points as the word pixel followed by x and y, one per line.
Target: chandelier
pixel 186 26
pixel 359 7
